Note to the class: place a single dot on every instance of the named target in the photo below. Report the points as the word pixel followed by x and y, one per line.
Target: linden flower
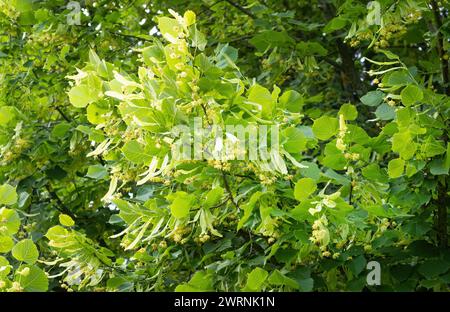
pixel 315 210
pixel 326 254
pixel 329 202
pixel 340 144
pixel 16 287
pixel 177 238
pixel 24 272
pixel 321 234
pixel 179 66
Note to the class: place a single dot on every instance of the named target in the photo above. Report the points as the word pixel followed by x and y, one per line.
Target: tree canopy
pixel 93 199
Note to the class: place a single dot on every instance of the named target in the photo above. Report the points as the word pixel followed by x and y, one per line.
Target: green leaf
pixel 404 117
pixel 136 153
pixel 335 24
pixel 432 147
pixel 6 115
pixel 66 220
pixel 181 204
pixel 79 96
pixel 294 140
pixel 26 251
pixel 248 209
pixel 311 171
pixel 292 101
pixel 6 244
pixel 226 55
pixel 213 197
pixel 97 172
pixel 334 158
pixel 279 279
pixel 385 112
pixel 433 268
pixel 256 279
pixel 23 5
pixel 357 265
pixel 376 210
pixel 95 114
pixel 411 94
pixel 60 130
pixel 5 267
pixel 306 284
pixel 399 78
pixel 99 65
pixel 310 48
pixel 57 233
pixel 374 173
pixel 403 145
pixel 437 167
pixel 373 98
pixel 34 281
pixel 325 127
pixel 169 28
pixel 396 168
pixel 9 221
pixel 8 195
pixel 41 15
pixel 189 18
pixel 349 111
pixel 447 157
pixel 198 39
pixel 303 188
pixel 262 97
pixel 270 39
pixel 201 281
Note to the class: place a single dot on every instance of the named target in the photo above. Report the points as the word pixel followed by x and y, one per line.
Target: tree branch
pixel 62 113
pixel 228 189
pixel 440 47
pixel 61 206
pixel 442 200
pixel 240 8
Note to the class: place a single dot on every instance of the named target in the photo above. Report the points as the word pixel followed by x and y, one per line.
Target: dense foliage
pixel 92 199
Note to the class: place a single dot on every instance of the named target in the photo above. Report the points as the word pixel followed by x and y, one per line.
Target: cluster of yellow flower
pixel 202 238
pixel 179 232
pixel 9 10
pixel 352 156
pixel 162 244
pixel 13 151
pixel 218 164
pixel 361 36
pixel 384 224
pixel 389 32
pixel 111 127
pixel 66 287
pixel 124 174
pixel 132 134
pixel 15 287
pixel 413 17
pixel 320 234
pixel 267 178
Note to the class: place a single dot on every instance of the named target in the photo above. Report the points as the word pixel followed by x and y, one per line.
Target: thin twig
pixel 62 113
pixel 60 206
pixel 242 9
pixel 440 47
pixel 228 189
